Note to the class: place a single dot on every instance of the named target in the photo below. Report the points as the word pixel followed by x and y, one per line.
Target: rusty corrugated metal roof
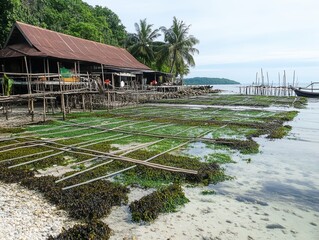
pixel 58 45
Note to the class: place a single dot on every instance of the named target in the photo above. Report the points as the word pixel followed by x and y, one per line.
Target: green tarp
pixel 7 85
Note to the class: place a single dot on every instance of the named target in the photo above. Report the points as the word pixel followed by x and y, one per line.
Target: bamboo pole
pixel 126 169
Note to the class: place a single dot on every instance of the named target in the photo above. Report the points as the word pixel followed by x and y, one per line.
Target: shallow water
pixel 286 170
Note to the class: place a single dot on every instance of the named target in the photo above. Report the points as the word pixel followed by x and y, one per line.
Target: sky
pixel 238 37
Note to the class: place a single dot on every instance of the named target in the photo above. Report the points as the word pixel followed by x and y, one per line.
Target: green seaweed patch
pixel 220 158
pixel 100 114
pixel 285 116
pixel 102 147
pixel 164 200
pixel 23 152
pixel 14 175
pixel 61 160
pixel 279 132
pixel 94 230
pixel 12 130
pixel 244 146
pixel 153 178
pixel 208 192
pixel 300 103
pixel 91 201
pixel 87 202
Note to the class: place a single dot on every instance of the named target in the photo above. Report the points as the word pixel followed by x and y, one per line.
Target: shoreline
pixel 276 181
pixel 204 217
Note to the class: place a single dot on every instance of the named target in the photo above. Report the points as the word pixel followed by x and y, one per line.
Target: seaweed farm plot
pixel 146 146
pixel 238 100
pixel 122 141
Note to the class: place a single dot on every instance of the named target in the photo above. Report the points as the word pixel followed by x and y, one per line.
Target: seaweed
pixel 208 192
pixel 14 175
pixel 164 200
pixel 87 202
pixel 91 201
pixel 244 146
pixel 279 132
pixel 11 130
pixel 149 177
pixel 94 230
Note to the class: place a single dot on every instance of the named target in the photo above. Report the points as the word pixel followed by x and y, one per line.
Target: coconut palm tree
pixel 178 49
pixel 141 43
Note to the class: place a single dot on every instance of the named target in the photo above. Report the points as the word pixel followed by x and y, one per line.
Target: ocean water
pixel 285 170
pixel 281 182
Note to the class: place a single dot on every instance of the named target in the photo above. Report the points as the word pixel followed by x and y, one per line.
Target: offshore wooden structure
pixel 61 70
pixel 262 86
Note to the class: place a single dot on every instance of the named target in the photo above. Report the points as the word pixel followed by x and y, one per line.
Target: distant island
pixel 208 81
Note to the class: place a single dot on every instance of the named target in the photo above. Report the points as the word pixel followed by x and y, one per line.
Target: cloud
pixel 247 33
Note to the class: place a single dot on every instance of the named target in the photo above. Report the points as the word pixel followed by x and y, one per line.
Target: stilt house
pixel 35 57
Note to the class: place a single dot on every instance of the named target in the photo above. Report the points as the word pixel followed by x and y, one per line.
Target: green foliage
pixel 73 17
pixel 141 44
pixel 174 55
pixel 178 49
pixel 164 200
pixel 94 230
pixel 208 81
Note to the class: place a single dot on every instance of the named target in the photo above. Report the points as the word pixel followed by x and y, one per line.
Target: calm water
pixel 286 170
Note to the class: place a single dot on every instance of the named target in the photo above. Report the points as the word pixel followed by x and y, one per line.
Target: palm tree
pixel 178 49
pixel 141 43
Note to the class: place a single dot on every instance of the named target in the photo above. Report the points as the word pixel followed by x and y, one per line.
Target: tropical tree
pixel 178 49
pixel 74 17
pixel 142 43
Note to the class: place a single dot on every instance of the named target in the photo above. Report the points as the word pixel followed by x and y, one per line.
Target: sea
pixel 284 176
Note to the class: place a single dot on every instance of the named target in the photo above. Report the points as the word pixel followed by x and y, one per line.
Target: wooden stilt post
pixel 6 111
pixel 30 101
pixel 62 95
pixel 102 80
pixel 90 95
pixel 83 102
pixel 44 108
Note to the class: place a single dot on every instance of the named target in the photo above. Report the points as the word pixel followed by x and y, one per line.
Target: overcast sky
pixel 238 37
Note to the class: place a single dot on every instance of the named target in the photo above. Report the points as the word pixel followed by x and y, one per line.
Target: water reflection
pixel 287 170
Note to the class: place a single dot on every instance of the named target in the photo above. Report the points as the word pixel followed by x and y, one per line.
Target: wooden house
pixel 35 56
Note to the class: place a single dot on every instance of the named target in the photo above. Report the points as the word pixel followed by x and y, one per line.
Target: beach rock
pixel 275 226
pixel 250 200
